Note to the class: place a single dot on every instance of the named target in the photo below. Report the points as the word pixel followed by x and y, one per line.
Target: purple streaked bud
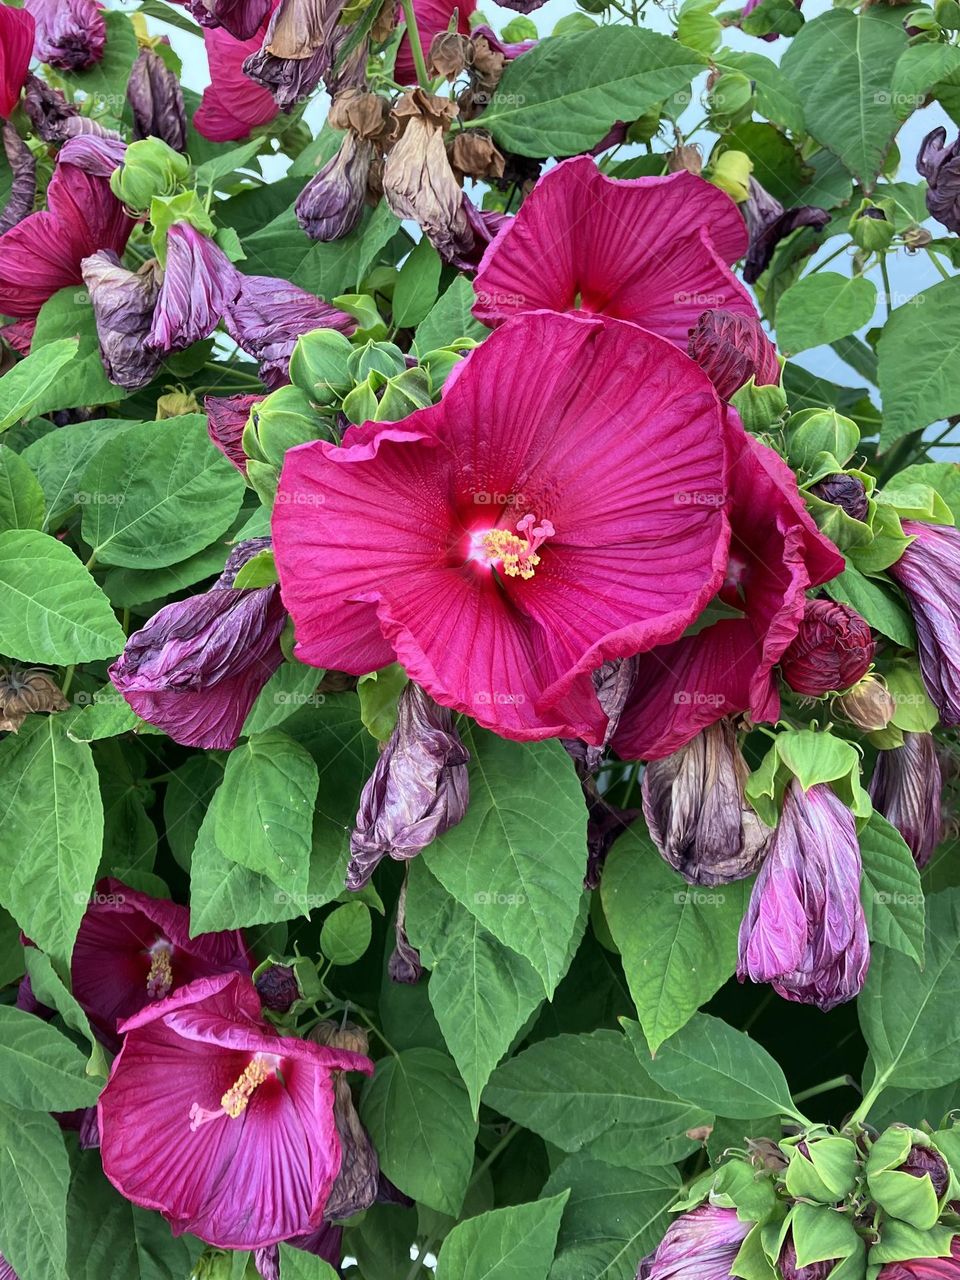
pixel 71 34
pixel 418 790
pixel 731 349
pixel 844 491
pixel 696 812
pixel 23 189
pixel 404 964
pixel 927 1162
pixel 700 1245
pixel 789 1269
pixel 199 283
pixel 156 100
pixel 331 203
pixel 267 1262
pixel 242 18
pixel 123 305
pixel 906 788
pixel 805 931
pixel 928 573
pixel 226 419
pixel 267 316
pixel 47 109
pixel 768 223
pixel 95 153
pixel 196 668
pixel 278 988
pixel 832 649
pixel 940 166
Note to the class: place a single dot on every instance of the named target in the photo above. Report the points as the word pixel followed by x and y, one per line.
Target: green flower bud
pixel 731 173
pixel 815 431
pixel 572 23
pixel 730 99
pixel 908 1177
pixel 320 365
pixel 761 408
pixel 440 364
pixel 370 323
pixel 175 403
pixel 823 1169
pixel 361 404
pixel 284 419
pixel 150 168
pixel 870 227
pixel 376 357
pixel 921 25
pixel 404 394
pixel 645 127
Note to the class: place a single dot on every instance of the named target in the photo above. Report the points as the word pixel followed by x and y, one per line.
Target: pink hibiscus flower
pixel 651 250
pixel 132 950
pixel 776 554
pixel 232 104
pixel 506 542
pixel 220 1123
pixel 433 18
pixel 43 253
pixel 17 28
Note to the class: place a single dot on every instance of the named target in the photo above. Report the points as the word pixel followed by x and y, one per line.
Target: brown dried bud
pixel 25 692
pixel 359 1178
pixel 450 54
pixel 487 64
pixel 686 157
pixel 384 22
pixel 869 705
pixel 365 113
pixel 473 155
pixel 917 237
pixel 349 1036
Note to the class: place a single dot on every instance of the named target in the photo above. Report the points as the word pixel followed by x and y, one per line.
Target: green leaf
pixel 613 1217
pixel 678 942
pixel 918 353
pixel 50 990
pixel 265 811
pixel 482 992
pixel 68 314
pixel 51 830
pixel 850 110
pixel 449 319
pixel 34 1177
pixel 22 503
pixel 40 1069
pixel 158 493
pixel 918 69
pixel 879 606
pixel 911 1017
pixel 890 889
pixel 212 171
pixel 297 1264
pixel 516 860
pixel 379 693
pixel 60 458
pixel 26 383
pixel 417 284
pixel 720 1068
pixel 131 587
pixel 55 612
pixel 823 307
pixel 562 96
pixel 581 1091
pixel 105 82
pixel 292 686
pixel 514 1243
pixel 777 98
pixel 346 933
pixel 417 1112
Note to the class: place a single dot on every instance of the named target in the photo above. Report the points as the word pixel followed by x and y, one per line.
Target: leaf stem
pixel 838 1082
pixel 935 259
pixel 413 35
pixel 488 1160
pixel 887 292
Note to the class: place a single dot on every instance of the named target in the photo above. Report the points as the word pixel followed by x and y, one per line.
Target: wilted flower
pixel 844 491
pixel 232 104
pixel 224 1126
pixel 71 34
pixel 940 165
pixel 928 572
pixel 156 100
pixel 241 18
pixel 47 109
pixel 696 812
pixel 644 249
pixel 464 502
pixel 199 282
pixel 297 50
pixel 769 223
pixel 331 203
pixel 906 788
pixel 226 418
pixel 27 692
pixel 831 651
pixel 925 1268
pixel 473 155
pixel 433 19
pixel 196 667
pixel 686 157
pixel 404 964
pixel 732 349
pixel 23 170
pixel 700 1245
pixel 17 29
pixel 278 988
pixel 450 54
pixel 357 1183
pixel 417 791
pixel 805 931
pixel 123 305
pixel 132 950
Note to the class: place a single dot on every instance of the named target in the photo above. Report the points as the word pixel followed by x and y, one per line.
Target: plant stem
pixel 413 35
pixel 420 1260
pixel 830 257
pixel 872 1094
pixel 67 679
pixel 885 277
pixel 935 259
pixel 838 1082
pixel 488 1160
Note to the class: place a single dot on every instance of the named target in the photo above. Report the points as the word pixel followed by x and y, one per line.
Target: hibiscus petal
pixel 232 104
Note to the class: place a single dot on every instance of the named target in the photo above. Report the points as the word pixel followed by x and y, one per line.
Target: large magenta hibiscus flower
pixel 232 104
pixel 563 504
pixel 727 666
pixel 651 250
pixel 219 1122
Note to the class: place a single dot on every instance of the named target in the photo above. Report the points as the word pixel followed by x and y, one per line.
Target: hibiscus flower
pixel 506 542
pixel 17 30
pixel 232 104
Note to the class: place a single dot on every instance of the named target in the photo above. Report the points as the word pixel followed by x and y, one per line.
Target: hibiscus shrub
pixel 477 714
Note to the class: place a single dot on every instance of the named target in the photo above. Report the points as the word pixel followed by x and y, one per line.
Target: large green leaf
pixel 26 383
pixel 158 493
pixel 917 71
pixel 450 318
pixel 514 1243
pixel 417 1112
pixel 53 610
pixel 919 355
pixel 60 458
pixel 581 1091
pixel 68 316
pixel 34 1177
pixel 40 1069
pixel 298 1264
pixel 281 248
pixel 840 63
pixel 884 611
pixel 890 889
pixel 21 498
pixel 719 1067
pixel 481 992
pixel 51 830
pixel 678 942
pixel 823 307
pixel 562 96
pixel 517 859
pixel 613 1218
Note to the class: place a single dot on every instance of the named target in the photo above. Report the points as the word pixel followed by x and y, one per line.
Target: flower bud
pixel 174 404
pixel 156 100
pixel 925 1268
pixel 277 988
pixel 150 168
pixel 731 173
pixel 833 649
pixel 695 808
pixel 279 422
pixel 198 281
pixel 940 165
pixel 917 238
pixel 823 1169
pixel 381 358
pixel 731 349
pixel 868 704
pixel 844 491
pixel 908 1177
pixel 702 1243
pixel 871 229
pixel 123 304
pixel 226 418
pixel 23 171
pixel 928 573
pixel 331 203
pixel 730 99
pixel 789 1270
pixel 320 365
pixel 686 157
pixel 906 788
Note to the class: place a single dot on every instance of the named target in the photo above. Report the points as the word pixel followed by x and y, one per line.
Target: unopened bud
pixel 844 491
pixel 868 704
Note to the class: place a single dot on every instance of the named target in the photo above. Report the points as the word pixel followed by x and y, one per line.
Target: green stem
pixel 413 34
pixel 91 563
pixel 838 1082
pixel 872 1094
pixel 67 679
pixel 885 276
pixel 836 254
pixel 488 1160
pixel 935 259
pixel 420 1260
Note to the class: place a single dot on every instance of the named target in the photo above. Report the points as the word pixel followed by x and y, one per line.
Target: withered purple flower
pixel 928 572
pixel 696 812
pixel 156 100
pixel 242 18
pixel 47 109
pixel 907 788
pixel 418 789
pixel 844 491
pixel 226 418
pixel 805 931
pixel 331 204
pixel 278 988
pixel 940 165
pixel 95 153
pixel 768 223
pixel 404 964
pixel 196 667
pixel 699 1245
pixel 297 50
pixel 199 282
pixel 357 1183
pixel 71 34
pixel 123 306
pixel 731 349
pixel 23 168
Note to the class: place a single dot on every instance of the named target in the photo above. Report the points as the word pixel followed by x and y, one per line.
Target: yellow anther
pixel 234 1101
pixel 160 975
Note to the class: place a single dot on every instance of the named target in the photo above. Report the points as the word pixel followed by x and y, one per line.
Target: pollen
pixel 160 974
pixel 234 1101
pixel 516 553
